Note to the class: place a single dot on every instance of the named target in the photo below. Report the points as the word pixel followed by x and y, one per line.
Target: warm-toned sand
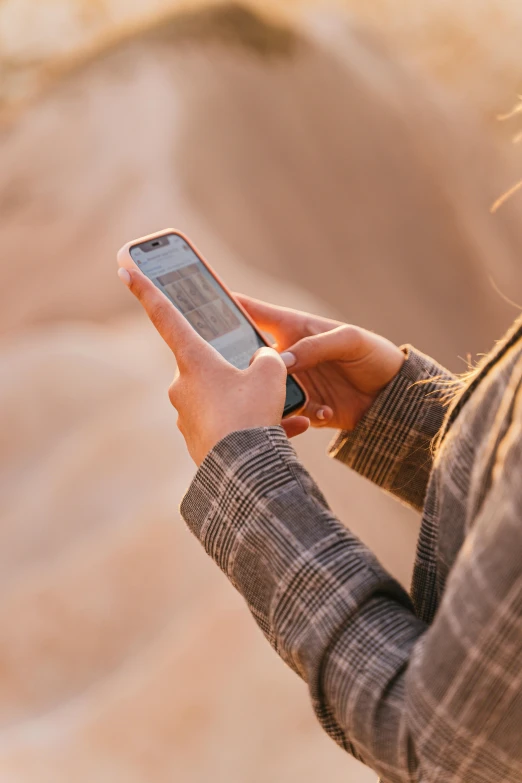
pixel 316 177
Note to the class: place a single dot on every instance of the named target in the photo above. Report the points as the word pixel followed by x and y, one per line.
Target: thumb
pixel 340 344
pixel 268 363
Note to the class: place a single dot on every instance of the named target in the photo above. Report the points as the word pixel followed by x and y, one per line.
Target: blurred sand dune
pixel 290 153
pixel 311 171
pixel 472 48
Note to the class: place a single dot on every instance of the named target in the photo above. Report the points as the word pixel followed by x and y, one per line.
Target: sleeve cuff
pixel 391 444
pixel 261 517
pixel 247 471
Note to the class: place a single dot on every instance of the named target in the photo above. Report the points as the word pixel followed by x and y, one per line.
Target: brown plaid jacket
pixel 422 688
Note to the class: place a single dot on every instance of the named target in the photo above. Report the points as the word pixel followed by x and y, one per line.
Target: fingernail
pixel 124 275
pixel 320 414
pixel 288 358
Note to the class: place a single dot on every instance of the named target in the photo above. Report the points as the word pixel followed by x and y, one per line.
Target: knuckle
pixel 350 335
pixel 174 393
pixel 269 358
pixel 348 330
pixel 309 327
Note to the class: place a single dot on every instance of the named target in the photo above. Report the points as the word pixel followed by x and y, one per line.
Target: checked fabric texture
pixel 421 687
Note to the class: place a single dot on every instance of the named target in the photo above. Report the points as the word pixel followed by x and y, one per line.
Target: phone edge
pixel 125 260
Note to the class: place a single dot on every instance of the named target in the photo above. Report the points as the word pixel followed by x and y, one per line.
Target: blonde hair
pixel 517 109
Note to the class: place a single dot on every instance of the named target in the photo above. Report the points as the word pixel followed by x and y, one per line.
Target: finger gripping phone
pixel 169 259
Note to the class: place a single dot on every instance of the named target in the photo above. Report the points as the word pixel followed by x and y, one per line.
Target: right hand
pixel 342 367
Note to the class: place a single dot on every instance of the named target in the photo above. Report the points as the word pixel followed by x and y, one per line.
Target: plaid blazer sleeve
pixel 391 444
pixel 442 703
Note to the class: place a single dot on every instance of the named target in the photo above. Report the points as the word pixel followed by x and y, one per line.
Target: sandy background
pixel 344 169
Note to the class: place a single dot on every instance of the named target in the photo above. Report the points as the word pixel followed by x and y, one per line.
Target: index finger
pixel 270 318
pixel 180 336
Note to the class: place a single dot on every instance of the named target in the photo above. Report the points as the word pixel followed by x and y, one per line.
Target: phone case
pixel 125 260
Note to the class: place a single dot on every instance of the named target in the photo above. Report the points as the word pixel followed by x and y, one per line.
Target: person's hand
pixel 212 397
pixel 343 368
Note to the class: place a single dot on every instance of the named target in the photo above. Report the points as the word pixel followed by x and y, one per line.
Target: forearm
pixel 414 703
pixel 320 596
pixel 391 445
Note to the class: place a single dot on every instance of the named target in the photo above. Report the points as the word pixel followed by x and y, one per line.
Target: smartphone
pixel 171 261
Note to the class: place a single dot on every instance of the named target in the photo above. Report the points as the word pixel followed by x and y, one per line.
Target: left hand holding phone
pixel 212 397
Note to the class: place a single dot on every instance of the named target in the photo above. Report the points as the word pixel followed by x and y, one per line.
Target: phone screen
pixel 179 273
